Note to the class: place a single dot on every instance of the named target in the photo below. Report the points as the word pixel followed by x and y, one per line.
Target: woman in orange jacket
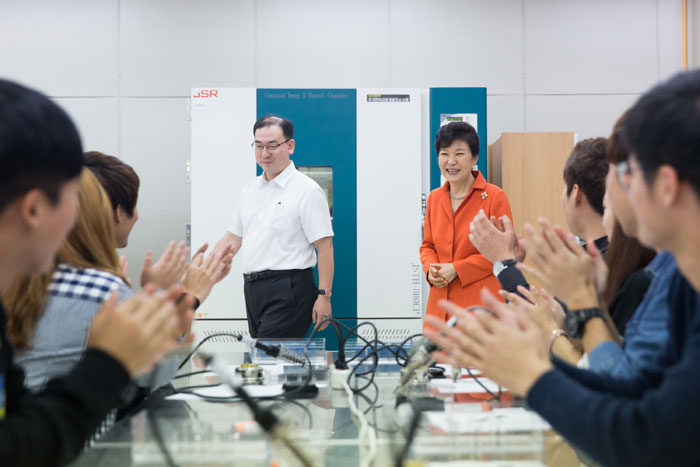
pixel 454 268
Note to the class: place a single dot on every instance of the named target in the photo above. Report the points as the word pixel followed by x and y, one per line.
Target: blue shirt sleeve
pixel 609 358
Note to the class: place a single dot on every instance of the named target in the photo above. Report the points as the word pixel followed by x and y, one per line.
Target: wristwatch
pixel 499 266
pixel 325 292
pixel 576 319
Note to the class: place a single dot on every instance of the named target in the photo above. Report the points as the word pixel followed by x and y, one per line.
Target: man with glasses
pixel 281 222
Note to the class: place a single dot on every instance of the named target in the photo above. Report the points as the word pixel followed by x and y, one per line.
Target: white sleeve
pixel 315 216
pixel 236 226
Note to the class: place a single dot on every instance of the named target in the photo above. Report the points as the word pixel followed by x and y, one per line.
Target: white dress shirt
pixel 279 221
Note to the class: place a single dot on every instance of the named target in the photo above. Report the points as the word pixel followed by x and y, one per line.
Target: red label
pixel 207 93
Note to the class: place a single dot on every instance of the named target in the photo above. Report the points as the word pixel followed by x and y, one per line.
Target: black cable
pixel 340 362
pixel 210 336
pixel 352 331
pixel 408 339
pixel 155 429
pixel 192 373
pixel 373 346
pixel 412 428
pixel 374 354
pixel 372 405
pixel 197 386
pixel 297 403
pixel 495 396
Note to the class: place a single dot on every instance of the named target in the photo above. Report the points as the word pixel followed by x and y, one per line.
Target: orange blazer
pixel 446 240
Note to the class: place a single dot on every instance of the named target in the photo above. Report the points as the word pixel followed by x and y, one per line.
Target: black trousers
pixel 281 305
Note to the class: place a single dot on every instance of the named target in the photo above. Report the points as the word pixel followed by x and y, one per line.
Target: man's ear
pixel 667 185
pixel 291 143
pixel 576 194
pixel 32 205
pixel 119 215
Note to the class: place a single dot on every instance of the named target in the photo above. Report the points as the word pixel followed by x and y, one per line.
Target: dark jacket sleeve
pixel 619 422
pixel 51 427
pixel 658 428
pixel 510 278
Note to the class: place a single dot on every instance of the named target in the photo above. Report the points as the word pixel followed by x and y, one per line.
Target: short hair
pixel 663 127
pixel 40 146
pixel 587 168
pixel 275 120
pixel 616 150
pixel 457 131
pixel 117 178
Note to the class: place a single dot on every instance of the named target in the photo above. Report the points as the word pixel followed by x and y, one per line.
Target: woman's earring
pixel 475 167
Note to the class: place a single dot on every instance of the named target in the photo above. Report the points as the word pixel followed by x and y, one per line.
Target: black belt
pixel 256 276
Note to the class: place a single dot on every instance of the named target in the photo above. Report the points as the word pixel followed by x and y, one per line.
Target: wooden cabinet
pixel 529 168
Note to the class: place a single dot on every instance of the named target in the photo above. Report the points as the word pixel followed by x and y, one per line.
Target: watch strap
pixel 325 292
pixel 578 318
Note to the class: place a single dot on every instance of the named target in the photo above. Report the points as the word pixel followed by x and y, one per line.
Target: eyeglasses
pixel 258 147
pixel 623 172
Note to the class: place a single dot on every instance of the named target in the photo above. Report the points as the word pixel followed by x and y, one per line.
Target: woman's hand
pixel 445 271
pixel 434 277
pixel 537 307
pixel 169 268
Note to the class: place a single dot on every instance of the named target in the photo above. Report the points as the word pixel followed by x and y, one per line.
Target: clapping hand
pixel 539 308
pixel 124 266
pixel 561 264
pixel 140 331
pixel 205 272
pixel 506 345
pixel 169 268
pixel 495 238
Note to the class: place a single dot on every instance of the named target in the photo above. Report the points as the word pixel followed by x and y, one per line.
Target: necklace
pixel 458 197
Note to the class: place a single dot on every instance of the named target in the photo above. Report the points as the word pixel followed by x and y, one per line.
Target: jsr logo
pixel 207 93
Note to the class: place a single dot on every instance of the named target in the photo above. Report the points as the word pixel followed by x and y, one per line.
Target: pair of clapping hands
pixel 197 277
pixel 143 329
pixel 508 345
pixel 556 258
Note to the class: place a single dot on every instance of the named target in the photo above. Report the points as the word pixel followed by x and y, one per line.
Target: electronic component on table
pixel 250 373
pixel 420 357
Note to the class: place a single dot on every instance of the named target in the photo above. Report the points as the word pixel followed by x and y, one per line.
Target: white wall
pixel 124 68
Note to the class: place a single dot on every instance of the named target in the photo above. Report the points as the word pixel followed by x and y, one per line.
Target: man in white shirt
pixel 280 223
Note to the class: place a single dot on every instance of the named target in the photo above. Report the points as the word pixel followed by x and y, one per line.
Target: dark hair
pixel 625 255
pixel 272 120
pixel 663 127
pixel 616 150
pixel 39 144
pixel 117 178
pixel 587 168
pixel 457 131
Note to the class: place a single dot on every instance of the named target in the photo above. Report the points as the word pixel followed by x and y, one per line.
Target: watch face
pixel 571 325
